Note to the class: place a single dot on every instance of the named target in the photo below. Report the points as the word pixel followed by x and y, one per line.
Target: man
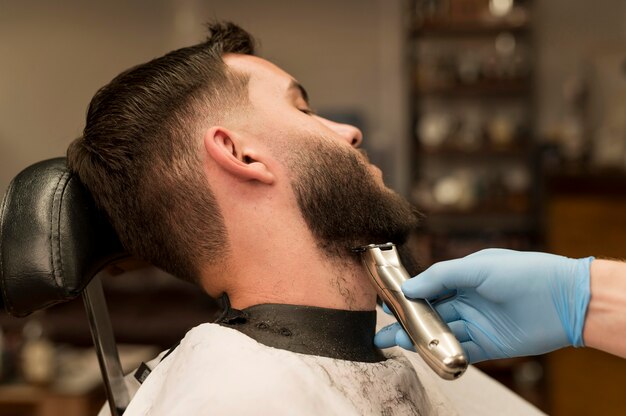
pixel 211 165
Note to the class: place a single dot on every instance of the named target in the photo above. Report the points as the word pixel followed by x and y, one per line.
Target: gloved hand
pixel 507 303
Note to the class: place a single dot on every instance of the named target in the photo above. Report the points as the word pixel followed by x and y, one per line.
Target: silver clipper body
pixel 432 338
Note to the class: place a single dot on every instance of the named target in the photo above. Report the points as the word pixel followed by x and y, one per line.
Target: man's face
pixel 340 194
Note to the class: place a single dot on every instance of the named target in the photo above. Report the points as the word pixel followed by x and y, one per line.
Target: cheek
pixel 328 125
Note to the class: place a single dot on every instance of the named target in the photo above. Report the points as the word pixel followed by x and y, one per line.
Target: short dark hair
pixel 140 151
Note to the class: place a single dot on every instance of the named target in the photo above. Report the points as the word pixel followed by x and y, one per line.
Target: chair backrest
pixel 54 243
pixel 53 240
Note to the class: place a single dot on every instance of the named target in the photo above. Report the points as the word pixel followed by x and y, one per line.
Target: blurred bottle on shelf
pixel 38 354
pixel 499 191
pixel 608 107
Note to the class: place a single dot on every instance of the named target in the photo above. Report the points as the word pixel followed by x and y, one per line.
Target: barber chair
pixel 55 245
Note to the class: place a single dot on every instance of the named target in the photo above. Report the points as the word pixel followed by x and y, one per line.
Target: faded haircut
pixel 140 151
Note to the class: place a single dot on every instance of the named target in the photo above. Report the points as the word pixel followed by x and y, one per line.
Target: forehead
pixel 263 74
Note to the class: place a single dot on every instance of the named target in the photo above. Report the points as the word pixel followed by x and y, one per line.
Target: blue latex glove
pixel 507 303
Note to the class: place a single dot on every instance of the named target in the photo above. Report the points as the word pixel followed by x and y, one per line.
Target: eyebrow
pixel 295 85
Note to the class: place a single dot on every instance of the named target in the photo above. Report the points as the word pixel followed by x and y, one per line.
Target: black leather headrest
pixel 53 239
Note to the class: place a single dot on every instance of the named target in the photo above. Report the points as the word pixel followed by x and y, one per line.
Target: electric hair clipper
pixel 432 338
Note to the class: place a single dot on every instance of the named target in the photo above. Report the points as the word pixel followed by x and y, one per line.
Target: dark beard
pixel 343 204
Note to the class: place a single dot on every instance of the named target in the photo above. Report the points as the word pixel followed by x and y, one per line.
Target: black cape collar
pixel 333 333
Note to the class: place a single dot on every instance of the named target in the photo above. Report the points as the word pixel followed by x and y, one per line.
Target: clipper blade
pixel 362 249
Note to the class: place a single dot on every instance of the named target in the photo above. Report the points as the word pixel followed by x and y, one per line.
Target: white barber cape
pixel 219 371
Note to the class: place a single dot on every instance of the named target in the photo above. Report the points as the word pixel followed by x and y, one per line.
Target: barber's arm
pixel 605 326
pixel 511 303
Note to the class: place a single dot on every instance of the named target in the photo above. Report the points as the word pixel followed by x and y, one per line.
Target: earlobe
pixel 227 150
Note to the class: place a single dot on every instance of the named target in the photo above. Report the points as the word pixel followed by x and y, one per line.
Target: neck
pixel 294 272
pixel 274 258
pixel 310 279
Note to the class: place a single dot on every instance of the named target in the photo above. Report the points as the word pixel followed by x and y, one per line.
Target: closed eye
pixel 307 111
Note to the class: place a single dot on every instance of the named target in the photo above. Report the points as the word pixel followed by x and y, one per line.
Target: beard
pixel 342 202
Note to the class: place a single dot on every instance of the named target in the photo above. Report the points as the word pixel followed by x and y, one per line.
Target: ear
pixel 226 149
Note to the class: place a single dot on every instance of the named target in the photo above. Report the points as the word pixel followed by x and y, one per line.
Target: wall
pixel 568 34
pixel 55 55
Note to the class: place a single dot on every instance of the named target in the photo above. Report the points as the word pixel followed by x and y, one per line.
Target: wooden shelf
pixel 482 209
pixel 22 399
pixel 479 212
pixel 445 27
pixel 570 180
pixel 481 152
pixel 473 222
pixel 478 89
pixel 444 80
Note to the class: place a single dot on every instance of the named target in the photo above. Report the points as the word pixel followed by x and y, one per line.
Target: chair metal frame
pixel 106 349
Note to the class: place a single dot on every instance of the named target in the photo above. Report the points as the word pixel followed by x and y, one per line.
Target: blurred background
pixel 503 120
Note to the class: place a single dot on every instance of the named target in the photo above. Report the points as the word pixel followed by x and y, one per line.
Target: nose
pixel 351 134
